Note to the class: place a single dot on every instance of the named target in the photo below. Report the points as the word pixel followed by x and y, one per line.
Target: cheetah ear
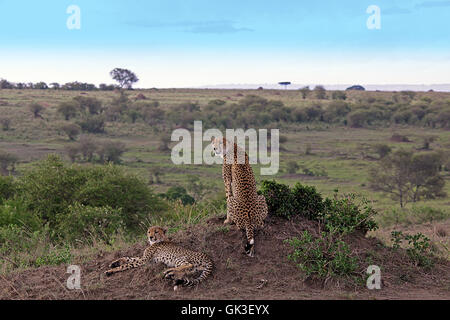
pixel 164 229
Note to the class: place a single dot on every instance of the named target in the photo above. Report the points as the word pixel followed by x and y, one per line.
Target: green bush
pixel 346 213
pixel 418 248
pixel 278 197
pixel 53 186
pixel 83 223
pixel 54 257
pixel 7 188
pixel 111 186
pixel 14 238
pixel 93 124
pixel 292 167
pixel 323 257
pixel 15 212
pixel 307 201
pixel 178 193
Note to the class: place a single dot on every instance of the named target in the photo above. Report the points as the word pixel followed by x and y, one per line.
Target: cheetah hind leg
pixel 249 241
pixel 230 211
pixel 178 274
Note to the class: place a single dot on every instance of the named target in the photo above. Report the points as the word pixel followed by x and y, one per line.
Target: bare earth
pixel 267 276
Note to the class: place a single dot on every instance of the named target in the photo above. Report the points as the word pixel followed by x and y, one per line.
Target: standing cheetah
pixel 244 206
pixel 187 268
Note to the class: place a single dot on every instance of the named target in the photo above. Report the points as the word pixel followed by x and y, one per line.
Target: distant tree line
pixel 75 86
pixel 124 77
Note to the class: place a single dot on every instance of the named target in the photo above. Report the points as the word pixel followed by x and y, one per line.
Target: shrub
pixel 93 124
pixel 7 162
pixel 314 113
pixel 87 146
pixel 278 197
pixel 345 214
pixel 418 248
pixel 52 187
pixel 164 141
pixel 81 223
pixel 339 95
pixel 54 257
pixel 36 109
pixel 92 105
pixel 336 110
pixel 111 151
pixel 307 201
pixel 72 130
pixel 68 109
pixel 178 193
pixel 7 188
pixel 323 257
pixel 6 123
pixel 15 212
pixel 111 186
pixel 382 150
pixel 320 92
pixel 72 151
pixel 16 239
pixel 292 167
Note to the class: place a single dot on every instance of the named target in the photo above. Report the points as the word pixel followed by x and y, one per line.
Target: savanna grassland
pixel 330 143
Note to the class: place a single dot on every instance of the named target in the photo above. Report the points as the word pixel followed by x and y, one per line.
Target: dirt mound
pixel 269 275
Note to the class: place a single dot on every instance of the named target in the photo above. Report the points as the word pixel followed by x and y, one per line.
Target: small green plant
pixel 323 257
pixel 418 248
pixel 223 229
pixel 292 167
pixel 396 238
pixel 349 213
pixel 55 257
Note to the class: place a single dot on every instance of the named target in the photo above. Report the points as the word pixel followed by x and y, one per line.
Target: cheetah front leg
pixel 261 211
pixel 127 263
pixel 227 179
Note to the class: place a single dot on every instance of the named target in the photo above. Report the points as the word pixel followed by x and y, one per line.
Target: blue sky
pixel 186 43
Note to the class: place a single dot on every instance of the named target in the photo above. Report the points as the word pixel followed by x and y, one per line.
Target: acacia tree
pixel 305 91
pixel 320 92
pixel 124 77
pixel 285 84
pixel 36 109
pixel 408 177
pixel 7 163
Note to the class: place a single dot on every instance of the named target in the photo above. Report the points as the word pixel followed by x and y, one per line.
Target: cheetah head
pixel 156 234
pixel 220 147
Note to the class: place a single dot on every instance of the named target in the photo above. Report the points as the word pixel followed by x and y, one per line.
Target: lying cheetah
pixel 244 206
pixel 187 268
